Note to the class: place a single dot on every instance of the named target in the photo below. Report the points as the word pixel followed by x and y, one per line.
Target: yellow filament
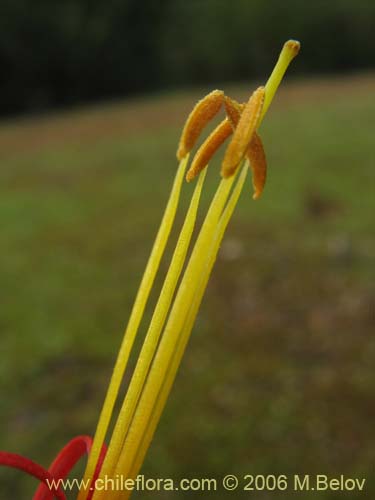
pixel 184 337
pixel 152 338
pixel 134 321
pixel 174 326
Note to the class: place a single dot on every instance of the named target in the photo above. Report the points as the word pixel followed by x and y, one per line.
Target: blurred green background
pixel 278 376
pixel 54 53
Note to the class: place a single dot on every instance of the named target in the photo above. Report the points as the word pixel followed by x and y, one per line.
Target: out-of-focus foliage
pixel 53 52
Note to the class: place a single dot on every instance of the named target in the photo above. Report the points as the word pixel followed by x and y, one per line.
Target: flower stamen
pixel 258 163
pixel 209 147
pixel 243 133
pixel 233 110
pixel 202 113
pixel 181 294
pixel 255 152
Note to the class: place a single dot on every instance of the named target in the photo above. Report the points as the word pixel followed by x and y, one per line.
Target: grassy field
pixel 279 375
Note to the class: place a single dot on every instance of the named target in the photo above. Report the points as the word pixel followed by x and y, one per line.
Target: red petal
pixel 26 465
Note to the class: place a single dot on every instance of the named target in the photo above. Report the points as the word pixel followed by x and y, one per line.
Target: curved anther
pixel 255 151
pixel 202 113
pixel 233 110
pixel 243 133
pixel 209 148
pixel 258 163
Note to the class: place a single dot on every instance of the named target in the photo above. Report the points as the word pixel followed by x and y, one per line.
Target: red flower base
pixel 59 469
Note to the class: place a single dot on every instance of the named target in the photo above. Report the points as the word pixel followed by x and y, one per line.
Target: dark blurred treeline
pixel 58 52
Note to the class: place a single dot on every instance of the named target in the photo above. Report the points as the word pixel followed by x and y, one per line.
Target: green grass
pixel 278 376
